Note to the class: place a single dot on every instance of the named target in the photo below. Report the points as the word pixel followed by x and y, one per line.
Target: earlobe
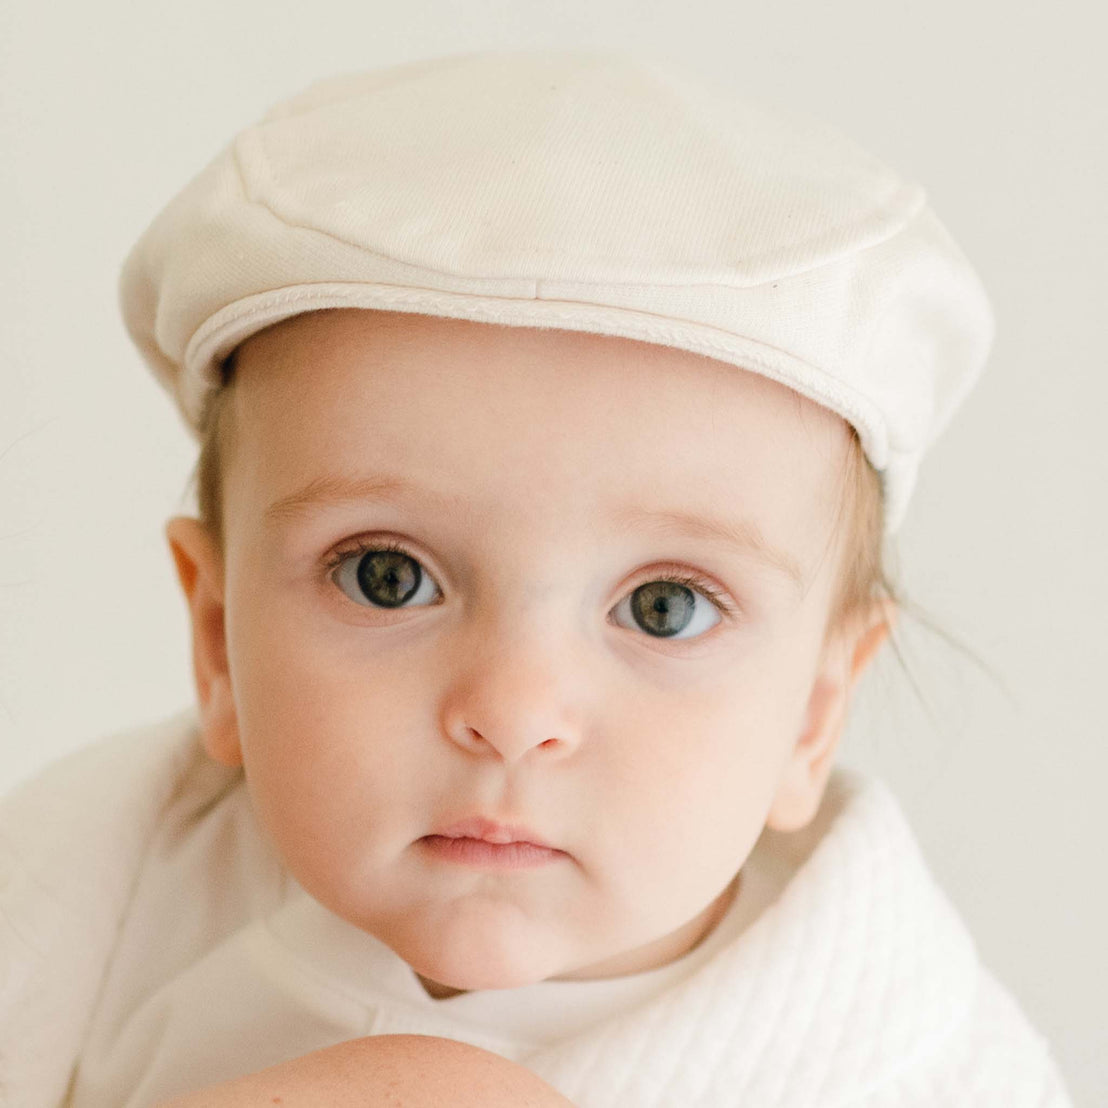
pixel 220 723
pixel 200 572
pixel 804 780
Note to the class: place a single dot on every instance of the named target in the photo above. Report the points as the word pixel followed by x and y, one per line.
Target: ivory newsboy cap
pixel 587 190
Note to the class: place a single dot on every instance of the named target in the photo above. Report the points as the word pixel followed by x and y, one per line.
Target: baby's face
pixel 449 588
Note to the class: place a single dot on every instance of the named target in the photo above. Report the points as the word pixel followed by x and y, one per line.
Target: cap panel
pixel 574 168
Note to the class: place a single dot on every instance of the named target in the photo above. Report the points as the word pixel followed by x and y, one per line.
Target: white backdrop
pixel 1000 110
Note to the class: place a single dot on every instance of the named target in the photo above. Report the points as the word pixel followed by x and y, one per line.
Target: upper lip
pixel 478 827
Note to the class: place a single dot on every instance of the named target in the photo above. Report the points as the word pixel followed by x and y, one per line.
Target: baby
pixel 553 414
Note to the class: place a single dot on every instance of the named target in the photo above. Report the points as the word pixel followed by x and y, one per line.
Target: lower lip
pixel 477 852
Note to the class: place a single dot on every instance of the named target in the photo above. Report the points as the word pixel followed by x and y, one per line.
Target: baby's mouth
pixel 480 854
pixel 486 844
pixel 490 831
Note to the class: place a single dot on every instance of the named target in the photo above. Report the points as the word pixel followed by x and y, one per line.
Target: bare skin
pixel 385 1071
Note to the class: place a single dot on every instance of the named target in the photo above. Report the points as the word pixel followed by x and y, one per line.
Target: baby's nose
pixel 517 693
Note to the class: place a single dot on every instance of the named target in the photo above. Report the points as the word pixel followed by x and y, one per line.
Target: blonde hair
pixel 863 578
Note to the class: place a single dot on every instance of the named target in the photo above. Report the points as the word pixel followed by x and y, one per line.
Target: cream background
pixel 107 109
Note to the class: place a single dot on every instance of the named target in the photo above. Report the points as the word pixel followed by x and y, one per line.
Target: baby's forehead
pixel 307 344
pixel 329 381
pixel 509 420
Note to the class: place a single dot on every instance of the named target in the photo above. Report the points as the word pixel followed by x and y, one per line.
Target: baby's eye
pixel 666 608
pixel 383 577
pixel 387 576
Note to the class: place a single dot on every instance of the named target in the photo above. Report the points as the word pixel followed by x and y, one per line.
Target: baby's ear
pixel 200 571
pixel 845 659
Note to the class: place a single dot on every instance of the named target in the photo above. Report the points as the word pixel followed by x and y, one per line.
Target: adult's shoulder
pixel 409 1071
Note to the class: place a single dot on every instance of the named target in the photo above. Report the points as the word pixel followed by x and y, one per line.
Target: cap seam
pixel 914 200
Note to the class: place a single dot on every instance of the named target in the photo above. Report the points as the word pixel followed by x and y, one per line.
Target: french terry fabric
pixel 152 942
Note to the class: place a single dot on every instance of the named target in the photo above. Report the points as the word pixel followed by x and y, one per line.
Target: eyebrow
pixel 326 492
pixel 743 535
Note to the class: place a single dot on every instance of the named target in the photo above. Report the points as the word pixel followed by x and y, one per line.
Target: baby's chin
pixel 468 942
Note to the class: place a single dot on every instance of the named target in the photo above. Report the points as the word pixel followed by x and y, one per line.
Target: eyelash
pixel 363 546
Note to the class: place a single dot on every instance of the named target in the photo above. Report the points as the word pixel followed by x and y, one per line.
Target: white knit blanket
pixel 859 985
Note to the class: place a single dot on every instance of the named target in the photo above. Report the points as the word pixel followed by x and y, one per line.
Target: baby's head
pixel 592 554
pixel 598 608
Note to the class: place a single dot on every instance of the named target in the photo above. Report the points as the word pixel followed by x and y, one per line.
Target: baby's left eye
pixel 666 608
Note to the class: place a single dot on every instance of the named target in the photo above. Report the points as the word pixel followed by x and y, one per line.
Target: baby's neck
pixel 437 991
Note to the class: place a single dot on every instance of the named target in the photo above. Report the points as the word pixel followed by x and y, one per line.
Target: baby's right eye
pixel 382 575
